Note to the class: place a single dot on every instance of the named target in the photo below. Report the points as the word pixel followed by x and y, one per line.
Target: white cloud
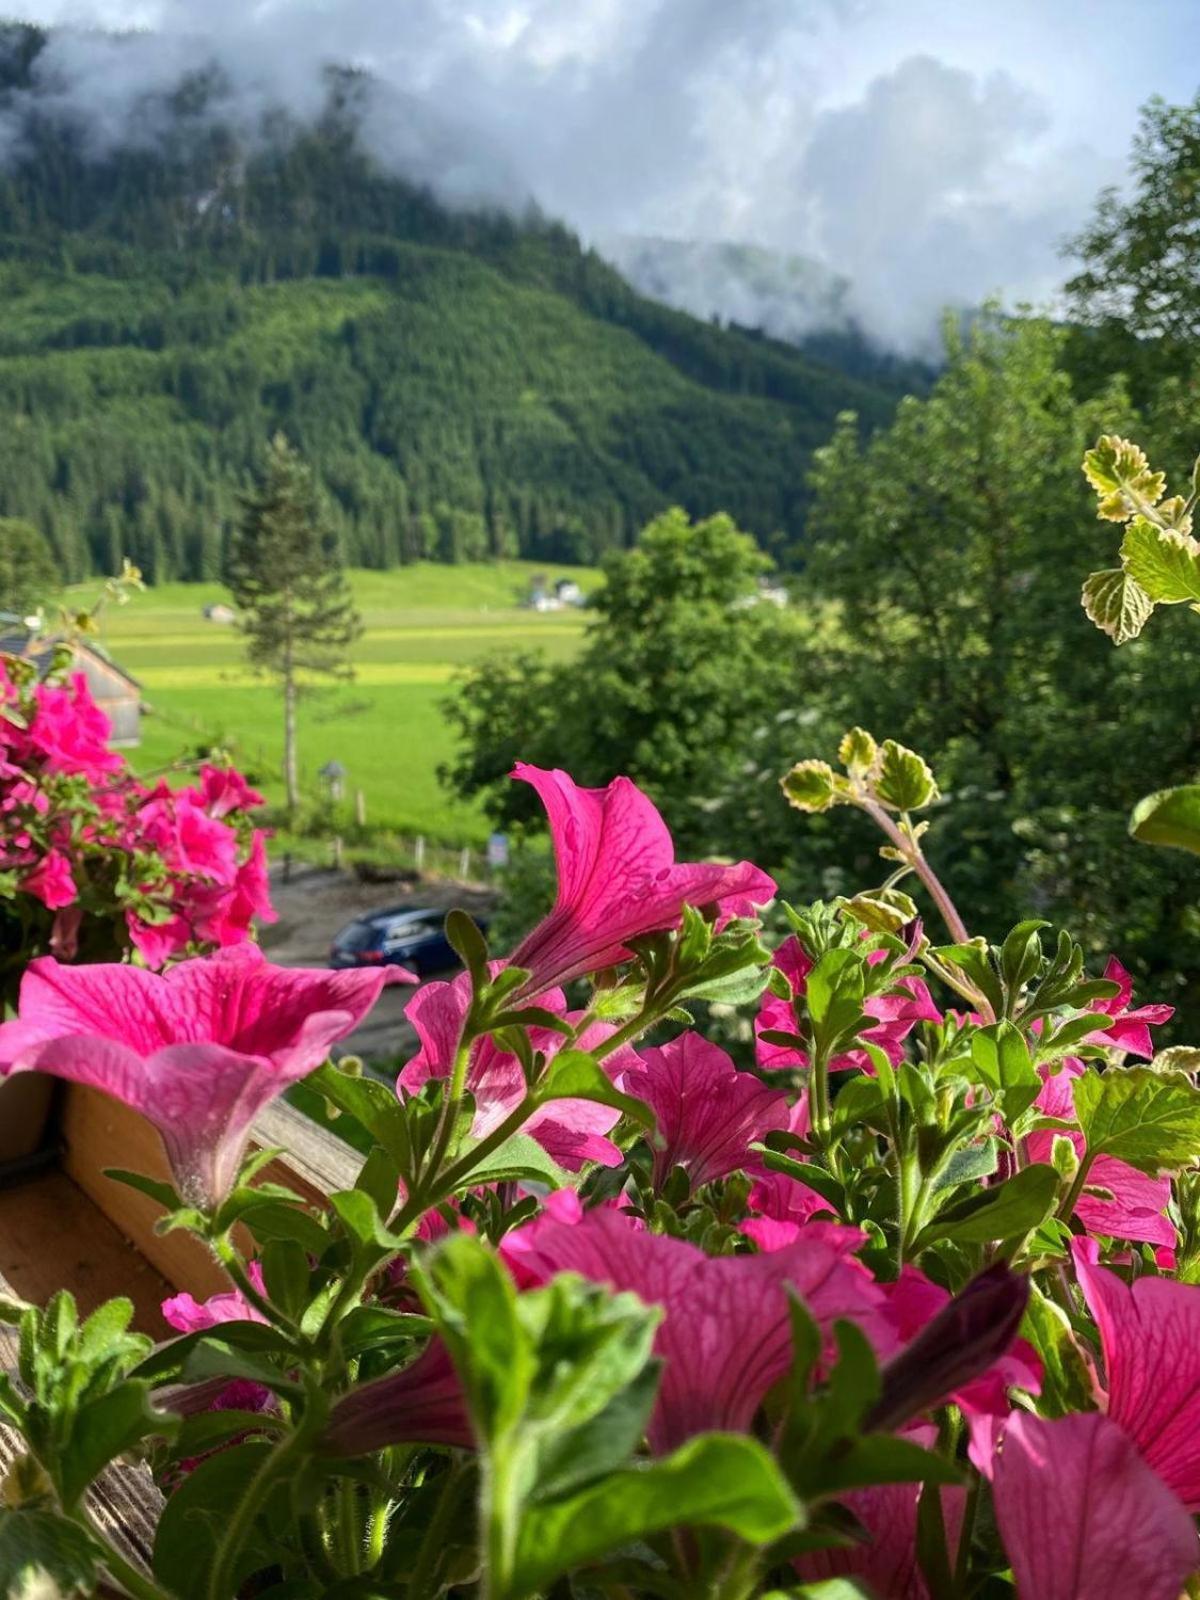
pixel 925 149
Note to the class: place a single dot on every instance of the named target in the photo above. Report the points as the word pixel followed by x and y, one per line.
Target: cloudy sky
pixel 931 150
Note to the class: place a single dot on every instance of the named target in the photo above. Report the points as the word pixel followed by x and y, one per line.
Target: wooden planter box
pixel 71 1227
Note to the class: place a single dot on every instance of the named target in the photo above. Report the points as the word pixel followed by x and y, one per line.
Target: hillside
pixel 466 385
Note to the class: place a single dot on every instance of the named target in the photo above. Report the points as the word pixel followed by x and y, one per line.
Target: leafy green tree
pixel 1141 264
pixel 28 576
pixel 294 604
pixel 683 656
pixel 950 546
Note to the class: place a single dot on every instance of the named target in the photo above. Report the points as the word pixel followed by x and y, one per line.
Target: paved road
pixel 316 902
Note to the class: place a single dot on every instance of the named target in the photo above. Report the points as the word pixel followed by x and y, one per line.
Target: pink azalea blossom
pixel 707 1112
pixel 188 839
pixel 896 1015
pixel 69 733
pixel 725 1337
pixel 1150 1337
pixel 51 881
pixel 198 1050
pixel 224 789
pixel 1117 1200
pixel 1124 1028
pixel 617 879
pixel 1083 1517
pixel 572 1131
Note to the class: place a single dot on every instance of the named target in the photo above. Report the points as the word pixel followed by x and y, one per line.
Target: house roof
pixel 17 644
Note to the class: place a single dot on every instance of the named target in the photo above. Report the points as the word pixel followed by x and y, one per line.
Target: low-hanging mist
pixel 831 130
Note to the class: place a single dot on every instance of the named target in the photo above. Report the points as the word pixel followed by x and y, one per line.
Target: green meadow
pixel 423 625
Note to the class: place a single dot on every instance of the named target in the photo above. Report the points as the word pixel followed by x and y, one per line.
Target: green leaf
pixel 105 1428
pixel 812 786
pixel 1116 603
pixel 576 1456
pixel 1164 562
pixel 374 1327
pixel 164 1193
pixel 285 1271
pixel 474 1303
pixel 1170 817
pixel 373 1106
pixel 195 1514
pixel 1002 1212
pixel 724 1481
pixel 857 751
pixel 1149 1119
pixel 169 1360
pixel 43 1555
pixel 466 940
pixel 1114 465
pixel 834 994
pixel 575 1075
pixel 903 780
pixel 1066 1381
pixel 520 1157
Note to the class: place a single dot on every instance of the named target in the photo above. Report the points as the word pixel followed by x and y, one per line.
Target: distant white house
pixel 544 596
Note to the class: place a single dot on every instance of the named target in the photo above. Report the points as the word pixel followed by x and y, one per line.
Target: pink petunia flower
pixel 1124 1028
pixel 51 881
pixel 186 1314
pixel 617 879
pixel 725 1337
pixel 895 1014
pixel 1083 1517
pixel 913 1300
pixel 1150 1337
pixel 708 1113
pixel 422 1404
pixel 198 1050
pixel 572 1131
pixel 190 841
pixel 1118 1199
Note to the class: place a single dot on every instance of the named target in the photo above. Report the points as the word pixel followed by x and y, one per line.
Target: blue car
pixel 402 937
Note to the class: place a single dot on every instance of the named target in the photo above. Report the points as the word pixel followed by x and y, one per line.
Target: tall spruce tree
pixel 285 572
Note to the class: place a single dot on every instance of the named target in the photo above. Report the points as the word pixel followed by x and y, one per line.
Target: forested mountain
pixel 464 383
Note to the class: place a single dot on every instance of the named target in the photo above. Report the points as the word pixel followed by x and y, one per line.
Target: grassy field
pixel 423 625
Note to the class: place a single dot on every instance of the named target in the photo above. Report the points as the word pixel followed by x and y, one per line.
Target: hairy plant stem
pixel 818 1085
pixel 288 1450
pixel 911 852
pixel 1067 1208
pixel 231 1261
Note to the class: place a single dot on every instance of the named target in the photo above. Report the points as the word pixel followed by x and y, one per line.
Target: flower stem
pixel 912 853
pixel 289 1449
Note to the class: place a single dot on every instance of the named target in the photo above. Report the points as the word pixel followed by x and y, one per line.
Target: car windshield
pixel 358 936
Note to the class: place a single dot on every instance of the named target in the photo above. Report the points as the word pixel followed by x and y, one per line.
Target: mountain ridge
pixel 466 382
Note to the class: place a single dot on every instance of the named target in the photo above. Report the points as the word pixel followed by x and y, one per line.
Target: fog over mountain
pixel 922 155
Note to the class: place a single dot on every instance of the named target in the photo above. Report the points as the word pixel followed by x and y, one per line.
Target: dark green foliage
pixel 1141 269
pixel 287 581
pixel 683 659
pixel 463 385
pixel 27 572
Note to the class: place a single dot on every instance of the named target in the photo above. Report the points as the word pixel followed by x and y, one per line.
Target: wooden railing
pixel 71 1227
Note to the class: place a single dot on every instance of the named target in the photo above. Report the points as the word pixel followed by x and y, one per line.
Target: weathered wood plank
pixel 100 1133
